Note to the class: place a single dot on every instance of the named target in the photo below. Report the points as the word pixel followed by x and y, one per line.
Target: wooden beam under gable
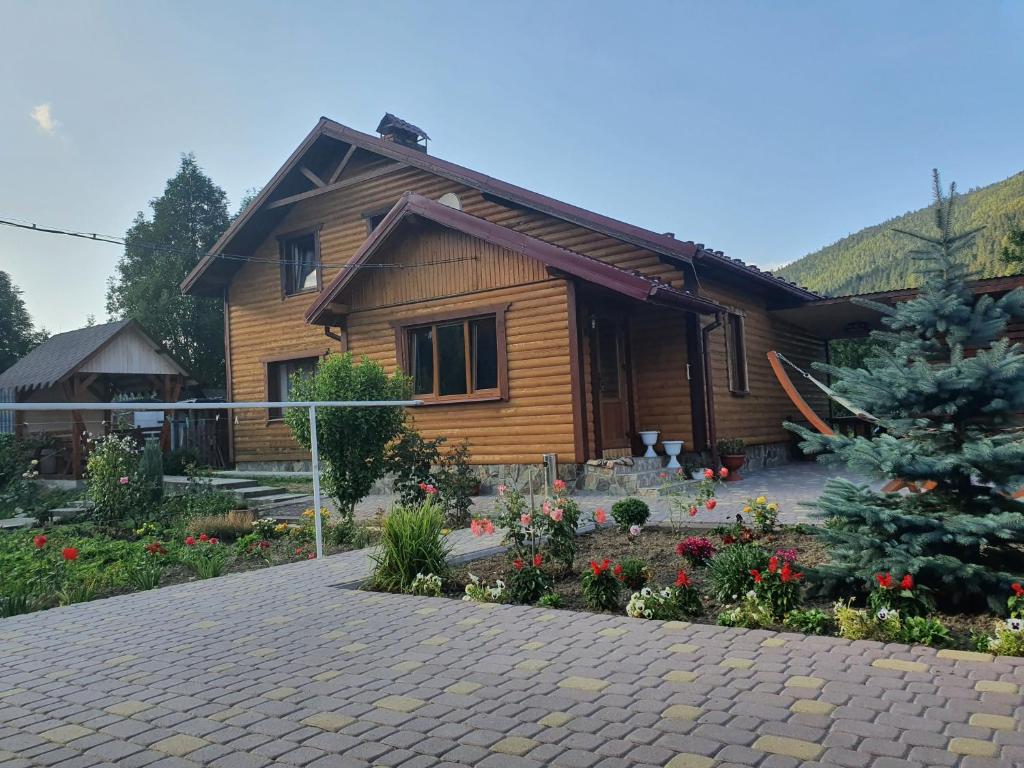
pixel 342 165
pixel 317 181
pixel 349 182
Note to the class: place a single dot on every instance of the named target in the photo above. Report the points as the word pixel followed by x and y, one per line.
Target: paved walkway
pixel 283 667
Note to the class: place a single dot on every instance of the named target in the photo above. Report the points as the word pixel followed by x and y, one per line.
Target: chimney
pixel 396 129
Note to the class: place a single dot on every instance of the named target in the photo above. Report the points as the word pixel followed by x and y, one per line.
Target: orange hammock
pixel 815 421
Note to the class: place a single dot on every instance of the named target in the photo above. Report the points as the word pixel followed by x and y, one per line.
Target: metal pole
pixel 315 451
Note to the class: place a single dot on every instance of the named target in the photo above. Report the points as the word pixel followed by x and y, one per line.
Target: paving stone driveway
pixel 283 667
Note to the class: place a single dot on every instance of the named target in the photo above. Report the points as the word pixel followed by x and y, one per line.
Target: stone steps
pixel 254 495
pixel 625 476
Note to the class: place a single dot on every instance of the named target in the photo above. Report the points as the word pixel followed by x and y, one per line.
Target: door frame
pixel 620 316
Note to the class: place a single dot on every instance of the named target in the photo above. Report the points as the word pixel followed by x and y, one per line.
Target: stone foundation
pixel 767 455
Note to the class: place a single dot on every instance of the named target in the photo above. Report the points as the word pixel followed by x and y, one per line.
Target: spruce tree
pixel 948 390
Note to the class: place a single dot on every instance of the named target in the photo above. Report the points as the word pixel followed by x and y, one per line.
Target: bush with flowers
pixel 778 586
pixel 600 587
pixel 730 571
pixel 478 592
pixel 632 572
pixel 749 613
pixel 528 581
pixel 686 503
pixel 765 514
pixel 668 603
pixel 697 549
pixel 204 555
pixel 1007 638
pixel 525 531
pixel 859 624
pixel 112 482
pixel 629 512
pixel 902 595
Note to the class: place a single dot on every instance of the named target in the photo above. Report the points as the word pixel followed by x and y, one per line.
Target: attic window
pixel 736 354
pixel 374 218
pixel 300 262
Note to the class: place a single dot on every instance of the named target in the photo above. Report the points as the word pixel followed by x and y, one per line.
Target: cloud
pixel 44 119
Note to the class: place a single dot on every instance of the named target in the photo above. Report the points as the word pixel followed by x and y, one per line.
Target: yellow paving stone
pixel 531 646
pixel 532 665
pixel 407 666
pixel 689 760
pixel 493 632
pixel 555 720
pixel 221 667
pixel 733 663
pixel 11 692
pixel 329 721
pixel 276 620
pixel 949 653
pixel 262 653
pixel 900 665
pixel 183 648
pixel 205 624
pixel 683 648
pixel 133 677
pixel 279 694
pixel 354 647
pixel 804 681
pixel 679 676
pixel 334 634
pixel 355 623
pixel 812 707
pixel 226 714
pixel 675 626
pixel 583 683
pixel 973 747
pixel 426 611
pixel 399 703
pixel 996 686
pixel 783 745
pixel 62 734
pixel 995 722
pixel 682 712
pixel 773 642
pixel 546 617
pixel 59 674
pixel 118 660
pixel 327 674
pixel 514 745
pixel 435 640
pixel 612 632
pixel 179 745
pixel 462 687
pixel 128 708
pixel 468 622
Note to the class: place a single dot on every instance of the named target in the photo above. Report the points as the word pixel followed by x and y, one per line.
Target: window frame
pixel 369 216
pixel 282 240
pixel 737 360
pixel 318 353
pixel 403 351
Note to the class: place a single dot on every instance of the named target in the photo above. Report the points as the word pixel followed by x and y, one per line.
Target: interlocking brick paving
pixel 282 667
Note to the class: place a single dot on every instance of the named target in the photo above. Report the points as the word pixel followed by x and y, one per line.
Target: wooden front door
pixel 612 384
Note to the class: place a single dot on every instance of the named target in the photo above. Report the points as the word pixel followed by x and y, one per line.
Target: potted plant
pixel 732 453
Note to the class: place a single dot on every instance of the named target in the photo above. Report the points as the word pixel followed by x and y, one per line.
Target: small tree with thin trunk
pixel 352 441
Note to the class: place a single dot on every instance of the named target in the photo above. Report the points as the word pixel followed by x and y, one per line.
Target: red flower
pixel 212 540
pixel 788 575
pixel 617 570
pixel 682 580
pixel 708 474
pixel 1018 590
pixel 723 473
pixel 710 504
pixel 517 564
pixel 40 542
pixel 746 535
pixel 599 569
pixel 757 576
pixel 693 511
pixel 69 553
pixel 156 548
pixel 600 516
pixel 907 582
pixel 537 560
pixel 190 541
pixel 203 537
pixel 773 564
pixel 298 551
pixel 884 580
pixel 728 539
pixel 264 545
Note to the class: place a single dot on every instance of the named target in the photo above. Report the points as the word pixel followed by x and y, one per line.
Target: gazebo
pixel 110 363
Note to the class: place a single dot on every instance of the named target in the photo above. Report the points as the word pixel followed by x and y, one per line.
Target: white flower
pixel 666 592
pixel 749 594
pixel 1015 625
pixel 634 530
pixel 648 613
pixel 639 605
pixel 735 597
pixel 884 614
pixel 646 592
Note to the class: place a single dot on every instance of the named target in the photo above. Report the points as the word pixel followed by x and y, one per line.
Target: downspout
pixel 709 385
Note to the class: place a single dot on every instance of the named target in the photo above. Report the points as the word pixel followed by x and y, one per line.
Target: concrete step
pixel 278 498
pixel 13 523
pixel 254 492
pixel 176 483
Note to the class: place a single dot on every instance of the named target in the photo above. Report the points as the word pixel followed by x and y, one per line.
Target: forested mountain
pixel 876 258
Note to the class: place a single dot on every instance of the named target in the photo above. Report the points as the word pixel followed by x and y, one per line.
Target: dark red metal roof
pixel 586 268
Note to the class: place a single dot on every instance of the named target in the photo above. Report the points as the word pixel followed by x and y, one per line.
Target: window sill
pixel 306 292
pixel 460 400
pixel 739 392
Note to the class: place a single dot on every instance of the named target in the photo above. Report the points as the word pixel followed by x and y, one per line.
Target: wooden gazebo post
pixel 172 386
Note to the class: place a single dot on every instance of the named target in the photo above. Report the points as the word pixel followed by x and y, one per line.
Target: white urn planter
pixel 649 438
pixel 673 448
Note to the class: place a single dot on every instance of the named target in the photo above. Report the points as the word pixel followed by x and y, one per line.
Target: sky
pixel 764 129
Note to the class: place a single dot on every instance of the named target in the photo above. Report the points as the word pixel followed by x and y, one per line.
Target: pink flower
pixel 723 473
pixel 559 486
pixel 663 475
pixel 203 537
pixel 708 474
pixel 501 489
pixel 693 511
pixel 190 541
pixel 545 507
pixel 634 530
pixel 525 520
pixel 488 527
pixel 600 516
pixel 123 481
pixel 476 528
pixel 556 515
pixel 311 556
pixel 428 489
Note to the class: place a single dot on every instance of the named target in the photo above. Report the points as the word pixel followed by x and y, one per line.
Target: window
pixel 279 379
pixel 300 262
pixel 455 358
pixel 373 220
pixel 736 354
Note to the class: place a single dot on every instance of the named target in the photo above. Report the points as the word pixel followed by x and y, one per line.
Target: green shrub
pixel 527 583
pixel 750 613
pixel 206 558
pixel 411 461
pixel 112 482
pixel 411 542
pixel 729 570
pixel 600 587
pixel 633 572
pixel 926 631
pixel 857 624
pixel 811 622
pixel 666 604
pixel 778 588
pixel 550 600
pixel 426 585
pixel 178 461
pixel 629 512
pixel 478 592
pixel 1007 638
pixel 353 441
pixel 456 484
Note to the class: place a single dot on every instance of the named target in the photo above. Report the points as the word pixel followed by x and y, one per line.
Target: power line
pixel 159 247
